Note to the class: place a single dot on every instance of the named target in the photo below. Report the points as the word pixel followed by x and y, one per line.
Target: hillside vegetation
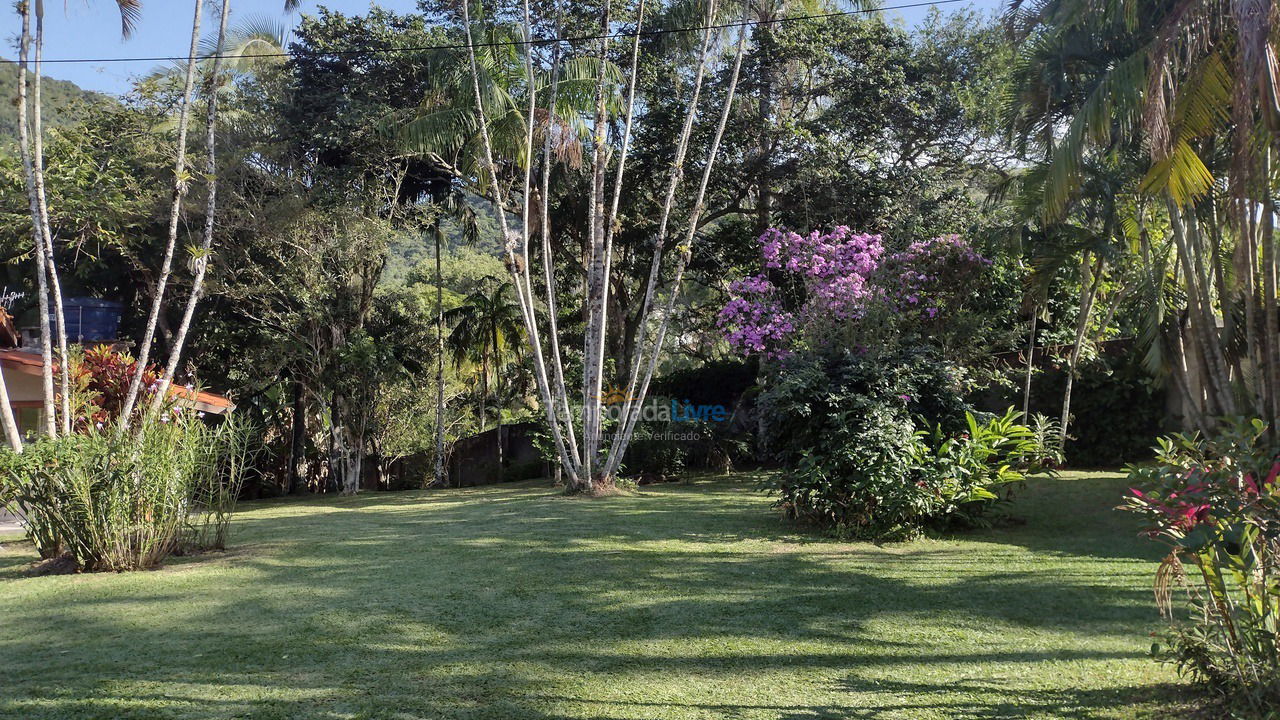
pixel 61 100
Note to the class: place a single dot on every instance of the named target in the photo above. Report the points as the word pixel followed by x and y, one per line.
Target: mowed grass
pixel 682 601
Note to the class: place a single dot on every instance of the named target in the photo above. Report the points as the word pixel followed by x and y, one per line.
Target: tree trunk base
pixel 597 487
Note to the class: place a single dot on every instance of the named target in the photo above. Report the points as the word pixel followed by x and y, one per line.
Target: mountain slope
pixel 62 99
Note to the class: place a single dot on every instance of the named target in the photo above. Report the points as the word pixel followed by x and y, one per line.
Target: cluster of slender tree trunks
pixel 57 403
pixel 589 458
pixel 1221 344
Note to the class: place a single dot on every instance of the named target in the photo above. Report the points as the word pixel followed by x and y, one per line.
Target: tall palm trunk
pixel 210 214
pixel 558 411
pixel 38 222
pixel 1244 286
pixel 1088 292
pixel 1182 378
pixel 527 310
pixel 631 400
pixel 597 281
pixel 51 266
pixel 484 387
pixel 768 83
pixel 1270 367
pixel 516 247
pixel 497 411
pixel 180 183
pixel 297 441
pixel 440 478
pixel 1186 237
pixel 1031 352
pixel 685 253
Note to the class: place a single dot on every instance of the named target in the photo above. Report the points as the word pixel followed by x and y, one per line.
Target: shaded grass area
pixel 681 601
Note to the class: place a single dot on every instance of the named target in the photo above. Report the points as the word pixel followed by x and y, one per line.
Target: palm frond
pixel 1183 174
pixel 1113 105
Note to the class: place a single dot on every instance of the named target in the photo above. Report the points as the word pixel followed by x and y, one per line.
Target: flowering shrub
pixel 929 275
pixel 833 271
pixel 838 277
pixel 754 321
pixel 1216 503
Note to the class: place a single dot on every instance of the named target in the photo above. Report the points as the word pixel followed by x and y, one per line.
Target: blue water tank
pixel 89 319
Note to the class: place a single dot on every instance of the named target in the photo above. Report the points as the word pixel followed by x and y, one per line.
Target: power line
pixel 506 43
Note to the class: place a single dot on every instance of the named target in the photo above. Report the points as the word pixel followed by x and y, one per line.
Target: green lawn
pixel 684 601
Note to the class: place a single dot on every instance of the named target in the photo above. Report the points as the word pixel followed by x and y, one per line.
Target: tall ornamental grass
pixel 127 502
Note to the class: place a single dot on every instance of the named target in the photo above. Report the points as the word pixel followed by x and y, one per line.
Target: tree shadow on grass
pixel 529 605
pixel 1073 516
pixel 981 699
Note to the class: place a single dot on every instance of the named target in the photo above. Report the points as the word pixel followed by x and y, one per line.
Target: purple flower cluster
pixel 754 321
pixel 920 279
pixel 841 272
pixel 834 269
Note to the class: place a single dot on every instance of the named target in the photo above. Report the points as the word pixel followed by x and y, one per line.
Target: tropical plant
pixel 967 471
pixel 486 330
pixel 1185 99
pixel 1216 503
pixel 200 255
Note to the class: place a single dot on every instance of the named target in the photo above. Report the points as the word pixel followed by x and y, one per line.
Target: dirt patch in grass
pixel 64 564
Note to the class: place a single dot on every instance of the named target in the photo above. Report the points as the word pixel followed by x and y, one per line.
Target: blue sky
pixel 90 29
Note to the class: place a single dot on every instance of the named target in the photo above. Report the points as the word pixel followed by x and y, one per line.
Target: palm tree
pixel 240 48
pixel 440 476
pixel 181 183
pixel 486 329
pixel 588 466
pixel 31 148
pixel 445 127
pixel 201 256
pixel 1191 86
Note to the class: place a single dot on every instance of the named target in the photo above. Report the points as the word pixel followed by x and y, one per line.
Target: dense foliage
pixel 1216 503
pixel 879 445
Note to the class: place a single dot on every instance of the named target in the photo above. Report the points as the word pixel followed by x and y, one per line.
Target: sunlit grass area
pixel 681 601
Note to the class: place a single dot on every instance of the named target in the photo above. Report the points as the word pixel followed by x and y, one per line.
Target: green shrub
pixel 664 448
pixel 967 472
pixel 858 464
pixel 123 503
pixel 1216 502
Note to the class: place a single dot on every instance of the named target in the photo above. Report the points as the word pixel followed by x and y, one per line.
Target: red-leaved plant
pixel 102 377
pixel 1216 502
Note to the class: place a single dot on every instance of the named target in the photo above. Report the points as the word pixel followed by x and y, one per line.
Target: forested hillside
pixel 60 100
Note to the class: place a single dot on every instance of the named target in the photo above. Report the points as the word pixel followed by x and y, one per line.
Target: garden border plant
pixel 1216 502
pixel 127 503
pixel 113 502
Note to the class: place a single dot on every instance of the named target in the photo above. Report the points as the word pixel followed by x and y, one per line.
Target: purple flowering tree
pixel 842 277
pixel 930 275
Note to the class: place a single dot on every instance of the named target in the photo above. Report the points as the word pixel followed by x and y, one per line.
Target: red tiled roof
pixel 207 398
pixel 20 359
pixel 31 363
